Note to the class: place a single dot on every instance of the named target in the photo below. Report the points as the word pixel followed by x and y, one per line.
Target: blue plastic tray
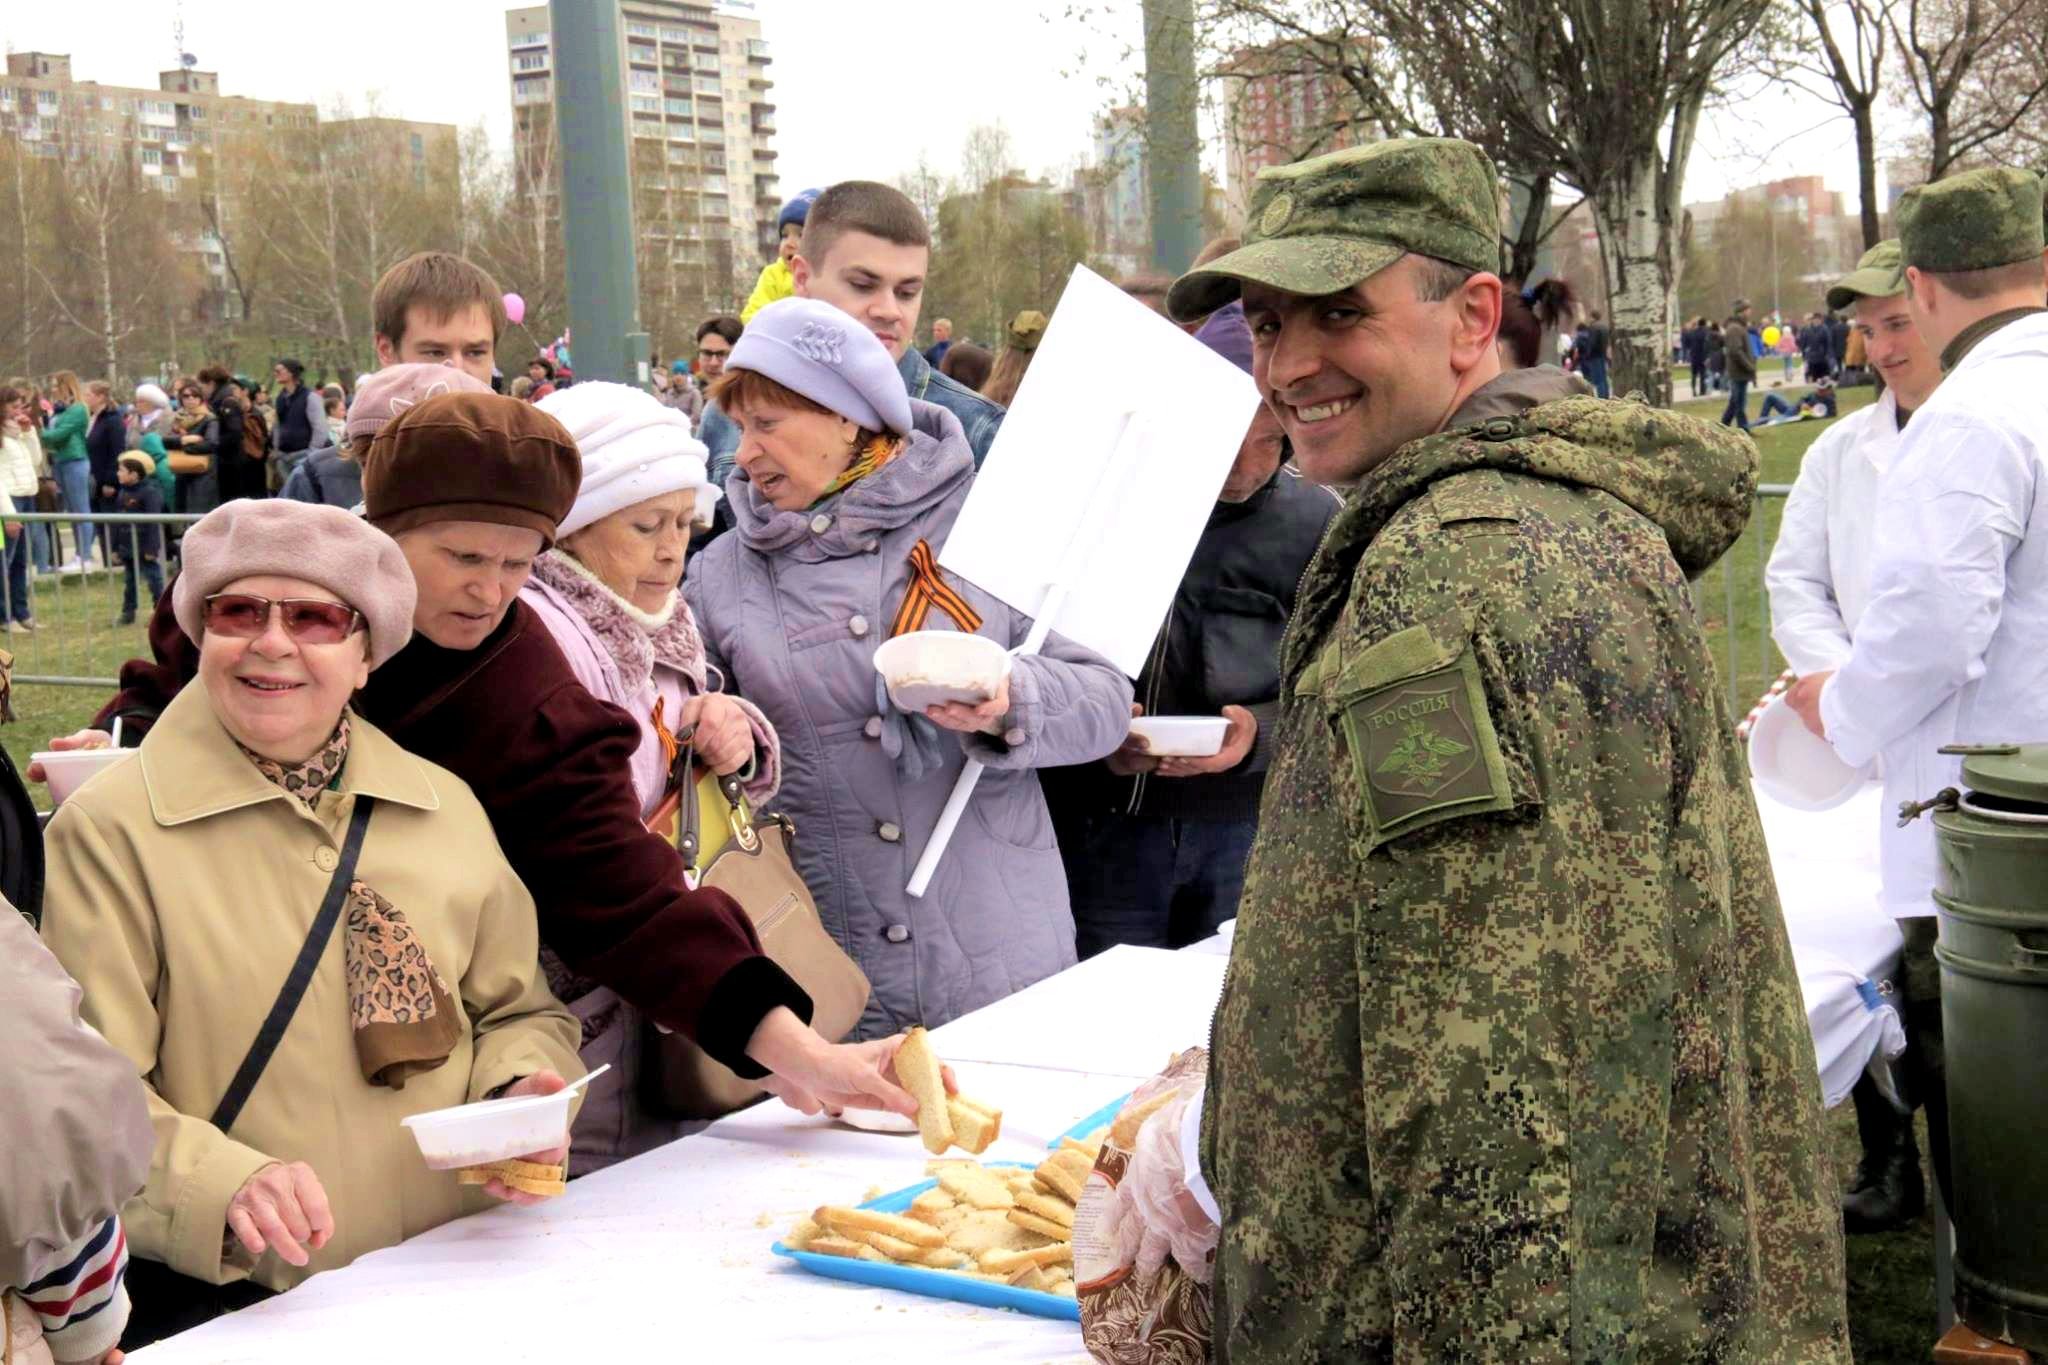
pixel 934 1284
pixel 1105 1115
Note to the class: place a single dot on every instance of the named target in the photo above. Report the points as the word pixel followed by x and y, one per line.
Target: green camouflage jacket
pixel 1511 1063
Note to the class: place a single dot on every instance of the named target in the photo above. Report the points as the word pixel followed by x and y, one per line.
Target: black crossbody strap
pixel 310 953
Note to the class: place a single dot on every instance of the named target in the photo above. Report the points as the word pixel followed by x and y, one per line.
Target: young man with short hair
pixel 866 251
pixel 438 308
pixel 1819 586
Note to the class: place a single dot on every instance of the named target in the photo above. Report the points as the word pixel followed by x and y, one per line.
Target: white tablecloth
pixel 666 1257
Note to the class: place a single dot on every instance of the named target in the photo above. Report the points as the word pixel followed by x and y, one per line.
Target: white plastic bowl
pixel 495 1130
pixel 1181 736
pixel 1794 766
pixel 71 769
pixel 932 667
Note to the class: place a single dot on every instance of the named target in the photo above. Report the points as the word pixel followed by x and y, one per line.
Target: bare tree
pixel 1976 69
pixel 100 204
pixel 1603 96
pixel 1851 61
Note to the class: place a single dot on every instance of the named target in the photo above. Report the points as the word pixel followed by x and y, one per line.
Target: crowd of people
pixel 1502 896
pixel 1727 358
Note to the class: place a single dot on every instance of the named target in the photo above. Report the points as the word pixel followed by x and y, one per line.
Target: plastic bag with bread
pixel 1138 1304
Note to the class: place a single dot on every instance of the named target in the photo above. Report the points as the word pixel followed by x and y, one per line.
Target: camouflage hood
pixel 1694 479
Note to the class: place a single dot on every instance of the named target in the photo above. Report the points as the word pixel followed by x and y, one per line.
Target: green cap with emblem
pixel 1879 275
pixel 1976 220
pixel 1322 225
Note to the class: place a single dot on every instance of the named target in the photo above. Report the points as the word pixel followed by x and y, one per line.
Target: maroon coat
pixel 553 767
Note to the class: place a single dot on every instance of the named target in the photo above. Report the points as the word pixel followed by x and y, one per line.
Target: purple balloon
pixel 515 308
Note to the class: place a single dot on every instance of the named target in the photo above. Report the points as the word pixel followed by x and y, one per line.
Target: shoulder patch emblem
pixel 1277 213
pixel 1420 750
pixel 1423 746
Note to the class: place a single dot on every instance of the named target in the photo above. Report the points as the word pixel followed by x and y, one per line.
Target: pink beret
pixel 382 396
pixel 341 552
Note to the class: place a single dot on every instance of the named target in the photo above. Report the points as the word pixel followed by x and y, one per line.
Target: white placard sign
pixel 1088 508
pixel 1104 472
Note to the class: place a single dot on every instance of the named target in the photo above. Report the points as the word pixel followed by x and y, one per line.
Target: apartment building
pixel 702 126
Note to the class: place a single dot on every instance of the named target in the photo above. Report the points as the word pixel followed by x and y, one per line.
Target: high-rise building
pixel 429 151
pixel 702 127
pixel 1116 192
pixel 1280 107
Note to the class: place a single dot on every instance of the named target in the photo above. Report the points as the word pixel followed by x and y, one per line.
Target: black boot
pixel 1889 1191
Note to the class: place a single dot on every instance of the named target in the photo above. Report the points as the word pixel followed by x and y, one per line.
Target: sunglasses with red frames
pixel 306 619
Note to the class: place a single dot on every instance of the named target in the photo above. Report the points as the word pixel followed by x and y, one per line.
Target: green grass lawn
pixel 1891 1277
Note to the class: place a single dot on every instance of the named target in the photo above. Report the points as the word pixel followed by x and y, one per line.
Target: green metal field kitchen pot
pixel 1992 893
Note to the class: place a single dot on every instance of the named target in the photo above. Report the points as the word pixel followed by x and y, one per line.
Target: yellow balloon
pixel 1770 336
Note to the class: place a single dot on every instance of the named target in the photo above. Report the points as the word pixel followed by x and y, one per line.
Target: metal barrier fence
pixel 77 637
pixel 1748 657
pixel 79 641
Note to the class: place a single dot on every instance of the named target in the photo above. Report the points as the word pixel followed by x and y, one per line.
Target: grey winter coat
pixel 792 607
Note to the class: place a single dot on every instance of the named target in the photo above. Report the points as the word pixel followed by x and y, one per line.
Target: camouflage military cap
pixel 1322 225
pixel 1879 275
pixel 1973 221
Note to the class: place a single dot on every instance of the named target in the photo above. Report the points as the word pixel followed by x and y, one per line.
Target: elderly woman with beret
pixel 608 593
pixel 844 494
pixel 185 884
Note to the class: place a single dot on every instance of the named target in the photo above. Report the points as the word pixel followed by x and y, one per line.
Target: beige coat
pixel 181 886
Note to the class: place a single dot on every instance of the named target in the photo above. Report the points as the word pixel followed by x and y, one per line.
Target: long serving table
pixel 666 1257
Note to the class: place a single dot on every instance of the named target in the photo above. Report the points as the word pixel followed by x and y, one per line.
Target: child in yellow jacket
pixel 776 282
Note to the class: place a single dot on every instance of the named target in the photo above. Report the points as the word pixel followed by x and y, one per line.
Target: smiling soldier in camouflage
pixel 1511 1064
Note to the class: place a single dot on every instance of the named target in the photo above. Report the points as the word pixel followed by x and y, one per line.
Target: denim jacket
pixel 980 418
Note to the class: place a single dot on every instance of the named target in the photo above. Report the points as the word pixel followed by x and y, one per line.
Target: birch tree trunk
pixel 28 327
pixel 104 263
pixel 1636 253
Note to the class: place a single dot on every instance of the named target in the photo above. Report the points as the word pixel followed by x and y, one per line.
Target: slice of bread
pixel 1051 1209
pixel 917 1070
pixel 1044 1227
pixel 845 1246
pixel 852 1222
pixel 975 1126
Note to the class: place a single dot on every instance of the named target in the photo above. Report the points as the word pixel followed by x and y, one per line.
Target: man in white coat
pixel 1953 644
pixel 1819 584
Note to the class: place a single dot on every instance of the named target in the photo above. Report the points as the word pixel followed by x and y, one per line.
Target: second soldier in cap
pixel 1819 585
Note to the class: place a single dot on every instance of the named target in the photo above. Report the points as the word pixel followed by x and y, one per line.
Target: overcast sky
pixel 862 89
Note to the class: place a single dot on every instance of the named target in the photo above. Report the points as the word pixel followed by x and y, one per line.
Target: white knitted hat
pixel 634 447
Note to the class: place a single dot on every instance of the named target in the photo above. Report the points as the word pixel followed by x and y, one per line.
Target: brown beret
pixel 472 457
pixel 336 549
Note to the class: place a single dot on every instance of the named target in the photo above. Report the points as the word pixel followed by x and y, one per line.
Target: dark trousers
pixel 1149 881
pixel 1699 377
pixel 1596 375
pixel 1737 411
pixel 1926 1061
pixel 17 577
pixel 163 1303
pixel 152 574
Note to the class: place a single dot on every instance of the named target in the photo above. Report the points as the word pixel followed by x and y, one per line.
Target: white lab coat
pixel 1953 644
pixel 1819 575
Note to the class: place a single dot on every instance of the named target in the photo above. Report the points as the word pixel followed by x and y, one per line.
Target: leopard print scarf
pixel 401 1011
